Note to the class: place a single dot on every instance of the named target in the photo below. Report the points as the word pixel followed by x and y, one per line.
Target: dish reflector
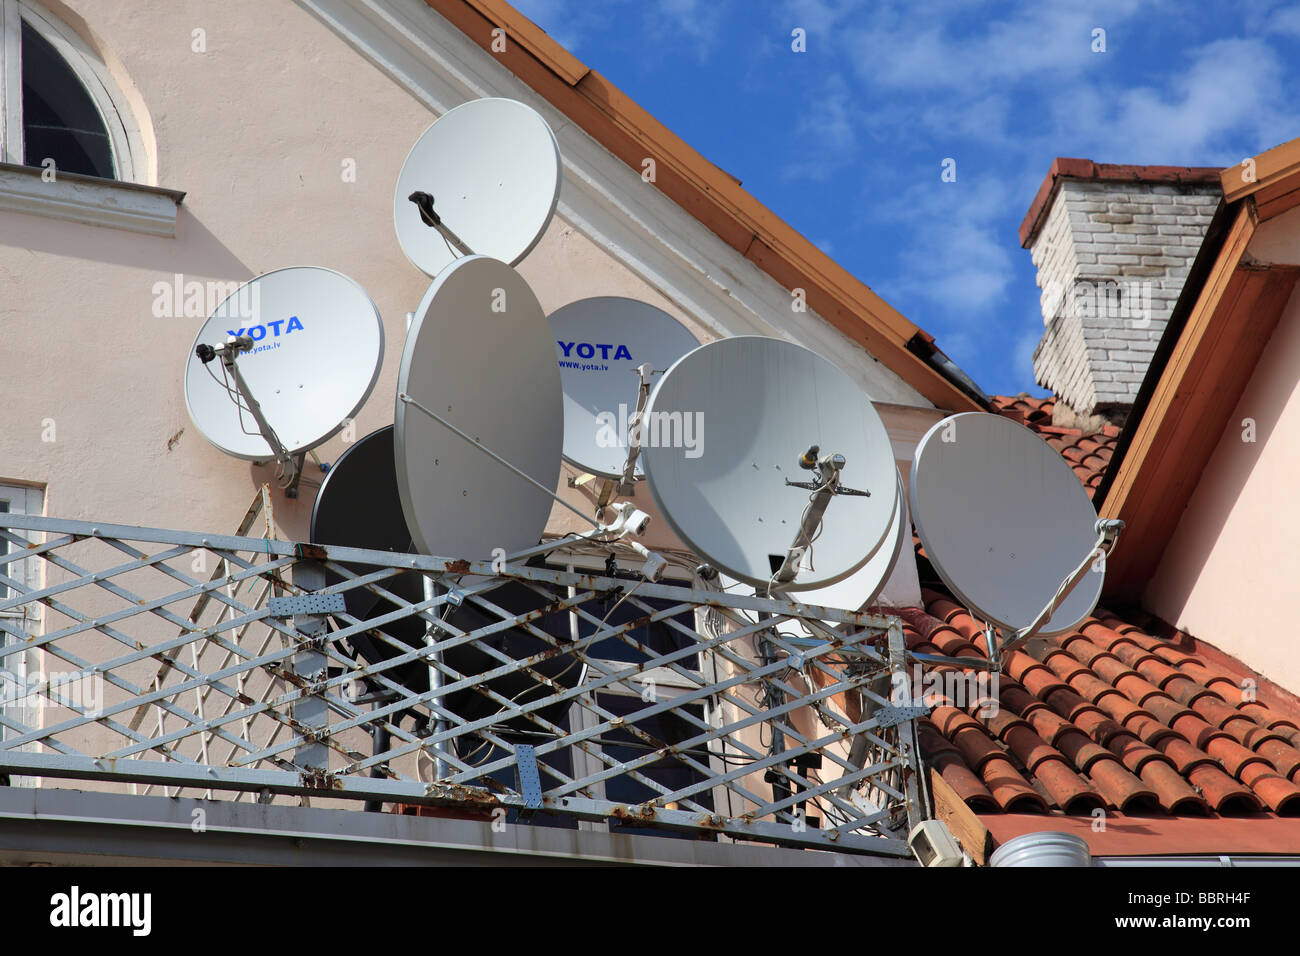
pixel 1003 520
pixel 319 343
pixel 600 343
pixel 493 169
pixel 727 426
pixel 480 354
pixel 358 507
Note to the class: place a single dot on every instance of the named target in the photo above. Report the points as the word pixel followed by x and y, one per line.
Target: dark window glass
pixel 659 636
pixel 6 570
pixel 60 120
pixel 670 772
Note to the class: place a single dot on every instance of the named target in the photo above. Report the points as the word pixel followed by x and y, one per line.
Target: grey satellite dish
pixel 479 355
pixel 861 588
pixel 485 178
pixel 737 416
pixel 313 345
pixel 1004 521
pixel 600 343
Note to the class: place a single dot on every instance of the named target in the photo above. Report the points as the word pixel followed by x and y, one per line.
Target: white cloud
pixel 699 23
pixel 817 17
pixel 1022 356
pixel 569 22
pixel 956 255
pixel 824 138
pixel 1231 86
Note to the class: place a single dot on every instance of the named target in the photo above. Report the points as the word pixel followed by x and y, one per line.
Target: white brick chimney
pixel 1112 245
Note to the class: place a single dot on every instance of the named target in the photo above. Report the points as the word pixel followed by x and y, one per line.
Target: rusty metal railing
pixel 241 667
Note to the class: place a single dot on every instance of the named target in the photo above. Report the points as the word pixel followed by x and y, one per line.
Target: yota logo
pixel 588 350
pixel 258 332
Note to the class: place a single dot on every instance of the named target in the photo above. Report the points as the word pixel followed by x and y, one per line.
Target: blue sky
pixel 846 141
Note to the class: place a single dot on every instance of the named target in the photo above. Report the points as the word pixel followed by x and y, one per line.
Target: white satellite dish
pixel 600 344
pixel 734 419
pixel 478 355
pixel 861 588
pixel 492 169
pixel 1004 521
pixel 313 343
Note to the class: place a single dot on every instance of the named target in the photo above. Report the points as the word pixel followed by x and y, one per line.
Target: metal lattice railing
pixel 248 667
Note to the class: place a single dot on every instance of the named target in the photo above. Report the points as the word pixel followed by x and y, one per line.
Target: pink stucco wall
pixel 256 131
pixel 1232 567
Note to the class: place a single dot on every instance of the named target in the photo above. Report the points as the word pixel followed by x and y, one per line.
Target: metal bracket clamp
pixel 306 604
pixel 891 715
pixel 530 781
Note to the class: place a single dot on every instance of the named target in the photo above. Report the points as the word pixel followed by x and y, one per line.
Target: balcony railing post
pixel 309 711
pixel 909 749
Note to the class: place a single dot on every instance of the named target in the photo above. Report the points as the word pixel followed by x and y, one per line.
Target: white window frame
pixel 25 500
pixel 668 684
pixel 126 141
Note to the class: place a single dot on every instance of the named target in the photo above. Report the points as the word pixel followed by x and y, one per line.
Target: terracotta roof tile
pixel 1087 454
pixel 1101 717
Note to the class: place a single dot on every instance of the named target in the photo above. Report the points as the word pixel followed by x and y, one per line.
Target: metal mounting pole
pixel 292 464
pixel 424 202
pixel 1108 532
pixel 627 484
pixel 827 486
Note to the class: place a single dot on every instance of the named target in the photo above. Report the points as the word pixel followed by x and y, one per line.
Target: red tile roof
pixel 1108 716
pixel 1087 453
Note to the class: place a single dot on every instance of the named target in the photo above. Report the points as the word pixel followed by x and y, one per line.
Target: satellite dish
pixel 480 355
pixel 861 588
pixel 739 413
pixel 358 507
pixel 317 345
pixel 1004 521
pixel 600 343
pixel 492 169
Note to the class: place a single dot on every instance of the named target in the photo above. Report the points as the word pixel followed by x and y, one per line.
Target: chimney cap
pixel 1064 167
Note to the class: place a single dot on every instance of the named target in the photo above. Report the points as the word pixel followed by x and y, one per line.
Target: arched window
pixel 59 101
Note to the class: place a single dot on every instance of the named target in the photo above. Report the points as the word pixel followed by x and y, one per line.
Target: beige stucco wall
pixel 1232 565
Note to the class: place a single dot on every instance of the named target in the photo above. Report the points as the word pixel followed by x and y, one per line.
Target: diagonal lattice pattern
pixel 246 667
